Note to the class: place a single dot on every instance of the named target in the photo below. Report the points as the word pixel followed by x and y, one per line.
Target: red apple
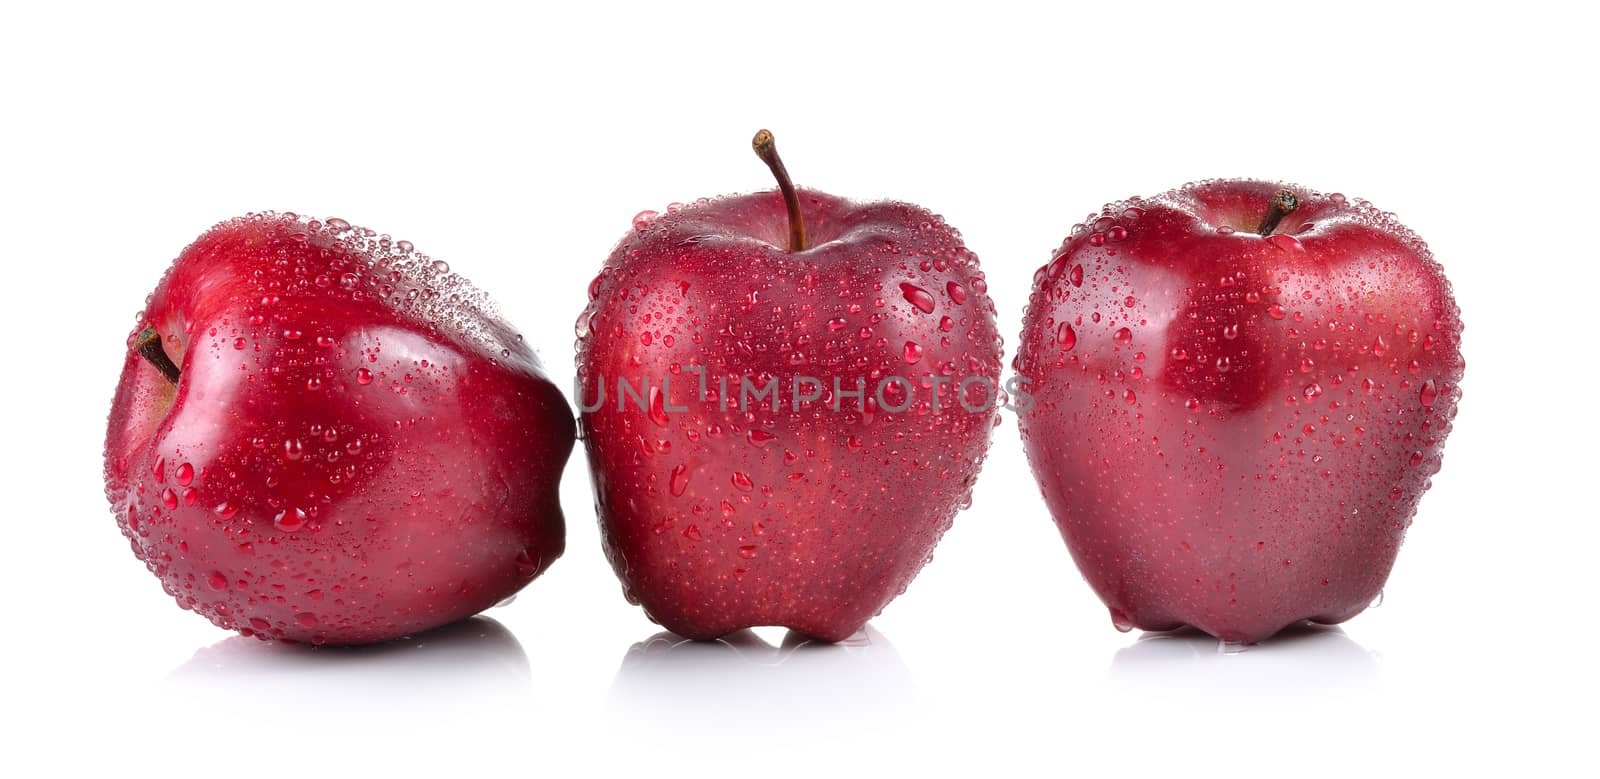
pixel 1241 391
pixel 321 435
pixel 810 507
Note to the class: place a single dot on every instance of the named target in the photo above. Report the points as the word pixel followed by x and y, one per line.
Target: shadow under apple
pixel 746 678
pixel 1304 658
pixel 476 662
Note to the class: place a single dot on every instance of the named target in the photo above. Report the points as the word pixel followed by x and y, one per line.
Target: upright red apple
pixel 321 435
pixel 1241 390
pixel 785 398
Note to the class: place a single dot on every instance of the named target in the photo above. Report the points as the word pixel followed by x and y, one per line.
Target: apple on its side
pixel 812 509
pixel 321 435
pixel 1242 390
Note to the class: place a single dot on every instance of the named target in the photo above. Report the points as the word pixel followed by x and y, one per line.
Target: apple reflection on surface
pixel 797 678
pixel 1304 658
pixel 475 661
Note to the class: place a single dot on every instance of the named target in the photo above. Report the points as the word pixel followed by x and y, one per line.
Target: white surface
pixel 518 145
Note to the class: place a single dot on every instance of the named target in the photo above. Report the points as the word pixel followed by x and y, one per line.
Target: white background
pixel 518 144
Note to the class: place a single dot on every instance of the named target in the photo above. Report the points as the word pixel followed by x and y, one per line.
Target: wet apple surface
pixel 1242 389
pixel 321 435
pixel 774 413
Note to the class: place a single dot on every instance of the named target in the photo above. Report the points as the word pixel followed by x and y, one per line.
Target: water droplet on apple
pixel 169 498
pixel 918 297
pixel 957 292
pixel 643 219
pixel 1066 336
pixel 293 450
pixel 679 480
pixel 529 561
pixel 742 481
pixel 363 376
pixel 1123 336
pixel 185 474
pixel 912 352
pixel 290 520
pixel 217 581
pixel 1429 393
pixel 1120 621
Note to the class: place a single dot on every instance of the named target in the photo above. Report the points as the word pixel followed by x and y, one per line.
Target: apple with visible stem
pixel 321 435
pixel 785 397
pixel 1241 390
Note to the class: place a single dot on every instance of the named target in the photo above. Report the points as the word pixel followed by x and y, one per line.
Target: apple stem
pixel 767 150
pixel 1283 204
pixel 148 345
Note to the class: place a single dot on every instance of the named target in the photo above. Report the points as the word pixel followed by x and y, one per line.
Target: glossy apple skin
pixel 1233 431
pixel 358 448
pixel 721 520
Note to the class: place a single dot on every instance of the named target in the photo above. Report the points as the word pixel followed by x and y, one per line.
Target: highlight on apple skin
pixel 1242 389
pixel 321 435
pixel 813 507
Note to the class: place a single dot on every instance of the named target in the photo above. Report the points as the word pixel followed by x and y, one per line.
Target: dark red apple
pixel 723 507
pixel 1241 390
pixel 321 435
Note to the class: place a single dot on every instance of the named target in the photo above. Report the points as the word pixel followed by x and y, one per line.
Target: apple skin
pixel 719 520
pixel 1233 431
pixel 358 448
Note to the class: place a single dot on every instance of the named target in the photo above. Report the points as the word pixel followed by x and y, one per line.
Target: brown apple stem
pixel 148 345
pixel 767 150
pixel 1283 204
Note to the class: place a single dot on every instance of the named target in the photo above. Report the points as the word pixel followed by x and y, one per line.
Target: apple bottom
pixel 1240 559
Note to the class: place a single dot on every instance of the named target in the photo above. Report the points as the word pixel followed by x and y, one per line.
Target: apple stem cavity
pixel 148 345
pixel 767 149
pixel 1283 204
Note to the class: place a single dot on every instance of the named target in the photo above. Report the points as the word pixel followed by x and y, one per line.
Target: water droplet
pixel 957 292
pixel 217 581
pixel 1066 336
pixel 643 219
pixel 1379 346
pixel 1123 336
pixel 1429 393
pixel 1117 233
pixel 742 481
pixel 185 474
pixel 759 437
pixel 912 352
pixel 1286 242
pixel 363 376
pixel 441 266
pixel 226 509
pixel 1120 621
pixel 679 480
pixel 293 450
pixel 658 407
pixel 918 297
pixel 529 561
pixel 747 552
pixel 306 618
pixel 290 520
pixel 169 498
pixel 838 323
pixel 1076 277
